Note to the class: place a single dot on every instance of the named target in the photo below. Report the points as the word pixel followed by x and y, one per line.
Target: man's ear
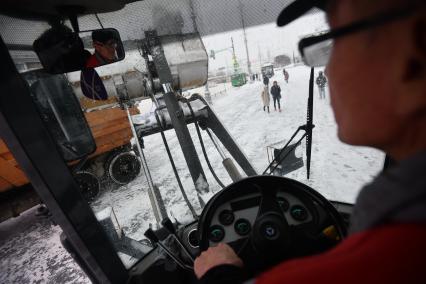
pixel 412 96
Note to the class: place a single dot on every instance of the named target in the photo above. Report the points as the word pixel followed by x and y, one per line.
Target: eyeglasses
pixel 316 50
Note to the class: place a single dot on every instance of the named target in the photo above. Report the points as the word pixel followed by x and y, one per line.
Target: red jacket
pixel 93 61
pixel 387 242
pixel 388 254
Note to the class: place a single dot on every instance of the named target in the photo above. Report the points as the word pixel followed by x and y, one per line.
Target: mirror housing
pixel 61 50
pixel 62 114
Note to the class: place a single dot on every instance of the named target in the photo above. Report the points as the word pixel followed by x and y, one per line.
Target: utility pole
pixel 234 57
pixel 194 23
pixel 193 16
pixel 245 36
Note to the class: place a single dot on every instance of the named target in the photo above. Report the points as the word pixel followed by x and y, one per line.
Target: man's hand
pixel 215 256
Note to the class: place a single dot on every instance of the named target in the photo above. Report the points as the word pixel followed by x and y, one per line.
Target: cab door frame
pixel 25 134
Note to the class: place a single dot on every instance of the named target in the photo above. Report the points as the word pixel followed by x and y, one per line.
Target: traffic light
pixel 212 54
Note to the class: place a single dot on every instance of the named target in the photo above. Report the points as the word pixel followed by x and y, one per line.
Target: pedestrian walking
pixel 286 75
pixel 321 82
pixel 276 95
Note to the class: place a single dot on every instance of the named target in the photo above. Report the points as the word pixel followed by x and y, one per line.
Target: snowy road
pixel 337 171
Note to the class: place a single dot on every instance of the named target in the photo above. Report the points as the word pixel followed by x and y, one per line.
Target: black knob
pixel 193 239
pixel 167 223
pixel 151 236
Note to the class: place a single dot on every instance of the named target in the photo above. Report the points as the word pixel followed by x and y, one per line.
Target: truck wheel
pixel 123 167
pixel 89 185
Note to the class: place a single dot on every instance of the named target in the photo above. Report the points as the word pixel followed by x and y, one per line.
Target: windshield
pixel 247 46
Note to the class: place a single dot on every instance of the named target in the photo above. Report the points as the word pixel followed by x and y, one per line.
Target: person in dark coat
pixel 321 82
pixel 276 95
pixel 266 81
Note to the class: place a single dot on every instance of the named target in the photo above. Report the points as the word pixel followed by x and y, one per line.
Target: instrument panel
pixel 235 219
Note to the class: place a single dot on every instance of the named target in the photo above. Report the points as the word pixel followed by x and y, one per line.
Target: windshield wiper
pixel 279 158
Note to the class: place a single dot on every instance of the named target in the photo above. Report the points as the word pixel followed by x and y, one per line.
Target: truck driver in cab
pixel 382 44
pixel 105 49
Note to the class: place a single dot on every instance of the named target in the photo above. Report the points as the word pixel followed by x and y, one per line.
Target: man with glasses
pixel 105 46
pixel 383 43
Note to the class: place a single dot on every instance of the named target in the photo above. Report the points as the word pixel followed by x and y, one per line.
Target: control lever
pixel 167 223
pixel 150 234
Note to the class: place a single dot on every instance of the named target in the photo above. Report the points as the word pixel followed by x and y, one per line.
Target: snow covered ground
pixel 34 254
pixel 31 252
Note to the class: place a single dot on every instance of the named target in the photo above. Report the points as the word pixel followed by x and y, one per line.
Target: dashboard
pixel 189 234
pixel 265 219
pixel 235 219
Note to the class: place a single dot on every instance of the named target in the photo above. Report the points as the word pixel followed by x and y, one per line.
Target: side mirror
pixel 104 45
pixel 60 50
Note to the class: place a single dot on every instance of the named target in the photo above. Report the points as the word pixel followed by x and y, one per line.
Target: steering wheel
pixel 268 219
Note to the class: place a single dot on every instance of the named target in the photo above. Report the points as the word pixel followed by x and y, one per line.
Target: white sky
pixel 263 41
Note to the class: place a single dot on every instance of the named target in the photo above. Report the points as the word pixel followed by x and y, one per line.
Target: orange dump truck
pixel 110 128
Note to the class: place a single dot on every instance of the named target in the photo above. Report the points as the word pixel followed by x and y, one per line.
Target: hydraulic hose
pixel 202 145
pixel 185 197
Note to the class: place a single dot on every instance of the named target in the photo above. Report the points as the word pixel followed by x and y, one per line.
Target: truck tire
pixel 123 167
pixel 89 185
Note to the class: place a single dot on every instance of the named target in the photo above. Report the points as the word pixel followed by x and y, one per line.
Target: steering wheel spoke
pixel 269 202
pixel 270 233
